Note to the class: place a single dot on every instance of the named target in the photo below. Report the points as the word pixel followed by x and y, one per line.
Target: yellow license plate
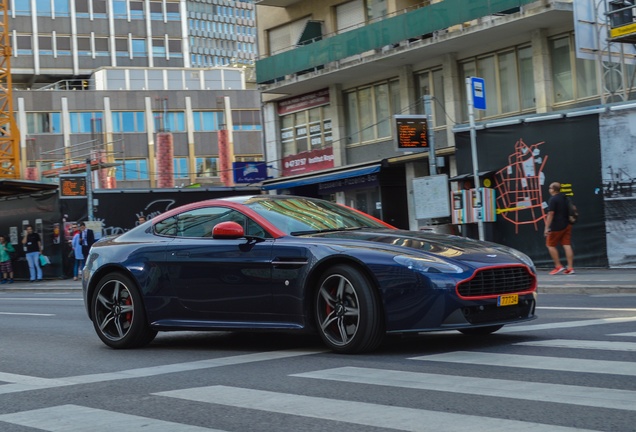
pixel 508 300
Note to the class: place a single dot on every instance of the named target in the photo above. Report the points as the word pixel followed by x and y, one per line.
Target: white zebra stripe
pixel 523 390
pixel 360 413
pixel 583 344
pixel 535 362
pixel 75 418
pixel 560 325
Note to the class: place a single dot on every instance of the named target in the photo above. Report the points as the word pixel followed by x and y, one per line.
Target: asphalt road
pixel 572 369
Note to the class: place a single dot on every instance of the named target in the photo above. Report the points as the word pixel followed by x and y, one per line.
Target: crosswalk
pixel 338 408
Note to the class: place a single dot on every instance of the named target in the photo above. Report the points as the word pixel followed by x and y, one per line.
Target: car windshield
pixel 298 216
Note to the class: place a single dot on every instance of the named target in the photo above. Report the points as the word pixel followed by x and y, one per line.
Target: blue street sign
pixel 249 172
pixel 479 93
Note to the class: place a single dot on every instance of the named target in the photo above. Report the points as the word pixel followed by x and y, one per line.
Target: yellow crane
pixel 9 135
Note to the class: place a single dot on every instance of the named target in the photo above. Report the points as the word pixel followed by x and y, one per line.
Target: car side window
pixel 199 223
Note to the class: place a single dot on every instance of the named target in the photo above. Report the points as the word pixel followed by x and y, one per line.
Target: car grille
pixel 497 281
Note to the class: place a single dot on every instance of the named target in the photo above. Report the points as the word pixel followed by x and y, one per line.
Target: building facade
pixel 102 79
pixel 334 74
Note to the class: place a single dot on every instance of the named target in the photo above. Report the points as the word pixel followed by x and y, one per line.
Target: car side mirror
pixel 228 230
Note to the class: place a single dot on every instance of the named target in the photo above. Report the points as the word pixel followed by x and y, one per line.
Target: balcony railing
pixel 411 24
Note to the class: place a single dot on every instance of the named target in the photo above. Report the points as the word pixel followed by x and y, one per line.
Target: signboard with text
pixel 308 161
pixel 411 132
pixel 72 186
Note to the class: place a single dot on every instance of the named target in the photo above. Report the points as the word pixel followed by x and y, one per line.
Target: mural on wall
pixel 519 196
pixel 525 159
pixel 618 140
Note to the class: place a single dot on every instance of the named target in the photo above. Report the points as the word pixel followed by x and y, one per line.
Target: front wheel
pixel 480 331
pixel 119 317
pixel 348 312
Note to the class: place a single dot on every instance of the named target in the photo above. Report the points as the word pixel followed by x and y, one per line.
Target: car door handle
pixel 181 254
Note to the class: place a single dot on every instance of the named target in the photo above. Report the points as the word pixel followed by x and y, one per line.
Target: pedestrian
pixel 33 244
pixel 141 219
pixel 6 267
pixel 78 254
pixel 87 237
pixel 558 230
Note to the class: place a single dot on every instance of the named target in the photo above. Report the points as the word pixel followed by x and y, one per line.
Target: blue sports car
pixel 288 263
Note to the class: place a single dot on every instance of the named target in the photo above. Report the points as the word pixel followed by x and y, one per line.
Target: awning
pixel 470 175
pixel 10 187
pixel 307 179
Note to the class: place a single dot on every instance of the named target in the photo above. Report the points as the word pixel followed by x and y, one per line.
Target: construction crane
pixel 9 135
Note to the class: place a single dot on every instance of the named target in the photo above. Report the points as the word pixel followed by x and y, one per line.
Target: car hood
pixel 450 247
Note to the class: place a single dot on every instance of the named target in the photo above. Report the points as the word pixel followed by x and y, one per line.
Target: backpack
pixel 573 213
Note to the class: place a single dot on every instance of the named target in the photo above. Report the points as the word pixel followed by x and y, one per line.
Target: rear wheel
pixel 480 331
pixel 348 312
pixel 119 317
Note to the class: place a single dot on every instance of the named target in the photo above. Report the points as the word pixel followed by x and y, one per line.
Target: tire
pixel 119 317
pixel 480 331
pixel 348 314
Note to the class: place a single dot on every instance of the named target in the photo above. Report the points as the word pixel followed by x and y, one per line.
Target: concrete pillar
pixel 338 121
pixel 452 93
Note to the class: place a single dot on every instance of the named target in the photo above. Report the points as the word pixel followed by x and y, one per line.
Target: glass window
pixel 131 169
pixel 561 69
pixel 301 131
pixel 199 223
pixel 508 84
pixel 526 78
pixel 119 9
pixel 86 122
pixel 207 167
pixel 367 119
pixel 139 48
pixel 43 7
pixel 180 165
pixel 586 85
pixel 205 121
pixel 61 7
pixel 376 9
pixel 353 123
pixel 43 123
pixel 287 135
pixel 128 121
pixel 383 110
pixel 439 115
pixel 486 70
pixel 23 8
pixel 370 111
pixel 136 9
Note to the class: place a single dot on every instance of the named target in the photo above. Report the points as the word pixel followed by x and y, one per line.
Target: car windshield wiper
pixel 320 231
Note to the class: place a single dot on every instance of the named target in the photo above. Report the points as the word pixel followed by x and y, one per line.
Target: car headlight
pixel 427 264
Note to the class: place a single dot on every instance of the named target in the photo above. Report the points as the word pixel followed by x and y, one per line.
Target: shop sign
pixel 360 182
pixel 249 172
pixel 308 161
pixel 303 102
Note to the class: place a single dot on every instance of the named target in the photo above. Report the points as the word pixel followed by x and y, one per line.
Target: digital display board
pixel 72 186
pixel 412 132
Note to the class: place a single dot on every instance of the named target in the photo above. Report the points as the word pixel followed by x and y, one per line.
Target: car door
pixel 221 279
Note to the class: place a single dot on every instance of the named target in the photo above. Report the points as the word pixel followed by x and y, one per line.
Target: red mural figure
pixel 519 198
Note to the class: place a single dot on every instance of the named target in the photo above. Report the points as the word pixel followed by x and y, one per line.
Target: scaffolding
pixel 9 135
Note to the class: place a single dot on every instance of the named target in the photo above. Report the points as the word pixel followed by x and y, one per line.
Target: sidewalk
pixel 584 281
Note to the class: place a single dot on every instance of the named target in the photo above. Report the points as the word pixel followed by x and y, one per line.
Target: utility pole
pixel 473 148
pixel 428 112
pixel 89 189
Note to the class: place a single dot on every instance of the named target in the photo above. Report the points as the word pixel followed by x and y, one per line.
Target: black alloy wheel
pixel 119 317
pixel 348 313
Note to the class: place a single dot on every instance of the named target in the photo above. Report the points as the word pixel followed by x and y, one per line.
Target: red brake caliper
pixel 129 314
